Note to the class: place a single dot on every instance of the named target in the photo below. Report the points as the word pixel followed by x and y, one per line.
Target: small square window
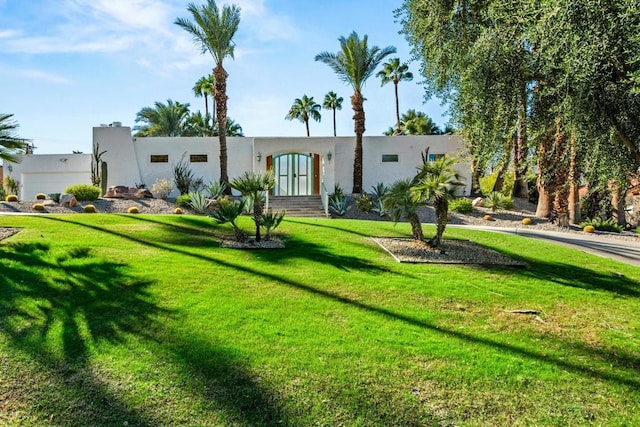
pixel 434 157
pixel 159 158
pixel 389 158
pixel 198 158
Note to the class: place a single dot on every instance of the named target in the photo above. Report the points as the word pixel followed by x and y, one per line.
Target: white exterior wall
pixel 49 173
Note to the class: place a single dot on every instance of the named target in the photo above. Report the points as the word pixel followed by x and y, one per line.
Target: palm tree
pixel 400 203
pixel 437 181
pixel 333 102
pixel 418 123
pixel 197 124
pixel 233 128
pixel 204 88
pixel 162 120
pixel 252 185
pixel 395 72
pixel 10 143
pixel 213 30
pixel 303 109
pixel 354 64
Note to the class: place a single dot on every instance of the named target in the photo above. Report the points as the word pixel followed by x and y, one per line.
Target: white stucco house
pixel 303 165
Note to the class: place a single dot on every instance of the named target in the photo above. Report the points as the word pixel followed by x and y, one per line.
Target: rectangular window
pixel 198 158
pixel 434 157
pixel 159 158
pixel 389 158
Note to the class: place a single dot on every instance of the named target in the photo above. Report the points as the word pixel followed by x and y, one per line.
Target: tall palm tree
pixel 303 109
pixel 163 120
pixel 213 30
pixel 233 128
pixel 204 88
pixel 333 102
pixel 394 71
pixel 437 181
pixel 418 123
pixel 10 143
pixel 354 64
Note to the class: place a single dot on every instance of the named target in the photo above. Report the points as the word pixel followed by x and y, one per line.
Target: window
pixel 198 158
pixel 159 158
pixel 434 157
pixel 389 158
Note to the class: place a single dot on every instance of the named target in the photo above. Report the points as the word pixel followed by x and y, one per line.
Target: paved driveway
pixel 609 247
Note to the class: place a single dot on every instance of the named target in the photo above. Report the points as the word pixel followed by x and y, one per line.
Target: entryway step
pixel 298 206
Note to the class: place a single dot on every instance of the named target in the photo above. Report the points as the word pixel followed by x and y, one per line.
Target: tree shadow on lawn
pixel 52 308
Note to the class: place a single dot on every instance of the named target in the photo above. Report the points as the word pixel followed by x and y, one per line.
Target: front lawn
pixel 145 320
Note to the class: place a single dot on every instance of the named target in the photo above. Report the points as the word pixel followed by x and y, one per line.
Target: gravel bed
pixel 149 206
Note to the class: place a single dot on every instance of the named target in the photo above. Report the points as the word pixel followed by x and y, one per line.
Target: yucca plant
pixel 228 211
pixel 253 185
pixel 198 201
pixel 271 221
pixel 496 201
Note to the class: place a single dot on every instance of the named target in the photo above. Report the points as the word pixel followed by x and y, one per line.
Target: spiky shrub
pixel 496 201
pixel 83 192
pixel 602 224
pixel 90 209
pixel 38 207
pixel 253 185
pixel 338 204
pixel 183 176
pixel 338 190
pixel 215 189
pixel 183 200
pixel 198 201
pixel 3 193
pixel 13 185
pixel 41 196
pixel 11 198
pixel 133 210
pixel 228 211
pixel 162 187
pixel 462 205
pixel 271 221
pixel 379 191
pixel 364 202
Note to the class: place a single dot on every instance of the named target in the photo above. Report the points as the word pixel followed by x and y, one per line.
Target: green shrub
pixel 271 221
pixel 364 202
pixel 12 185
pixel 41 196
pixel 84 192
pixel 198 201
pixel 11 198
pixel 602 224
pixel 183 200
pixel 228 211
pixel 3 193
pixel 55 197
pixel 461 205
pixel 215 189
pixel 496 201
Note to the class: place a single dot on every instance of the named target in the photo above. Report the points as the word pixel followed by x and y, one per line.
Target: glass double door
pixel 295 174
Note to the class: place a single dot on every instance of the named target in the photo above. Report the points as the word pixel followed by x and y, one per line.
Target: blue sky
pixel 69 65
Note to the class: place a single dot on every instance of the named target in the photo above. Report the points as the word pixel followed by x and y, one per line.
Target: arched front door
pixel 297 174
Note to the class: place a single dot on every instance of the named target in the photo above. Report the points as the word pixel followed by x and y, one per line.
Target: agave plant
pixel 228 211
pixel 338 204
pixel 198 201
pixel 271 221
pixel 379 191
pixel 216 189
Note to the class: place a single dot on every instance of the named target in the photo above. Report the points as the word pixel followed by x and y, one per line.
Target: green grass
pixel 107 319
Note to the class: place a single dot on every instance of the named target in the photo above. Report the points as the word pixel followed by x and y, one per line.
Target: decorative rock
pixel 116 192
pixel 49 202
pixel 478 202
pixel 68 200
pixel 141 193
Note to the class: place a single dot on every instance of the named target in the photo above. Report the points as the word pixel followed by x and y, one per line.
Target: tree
pixel 394 71
pixel 303 109
pixel 333 102
pixel 213 30
pixel 400 203
pixel 10 143
pixel 197 124
pixel 437 181
pixel 252 185
pixel 354 64
pixel 203 88
pixel 162 120
pixel 233 128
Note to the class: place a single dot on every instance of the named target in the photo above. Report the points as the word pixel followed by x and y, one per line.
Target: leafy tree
pixel 333 102
pixel 162 120
pixel 252 185
pixel 213 30
pixel 10 143
pixel 303 109
pixel 394 71
pixel 354 64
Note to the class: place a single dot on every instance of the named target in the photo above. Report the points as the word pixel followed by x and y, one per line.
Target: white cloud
pixel 43 76
pixel 5 34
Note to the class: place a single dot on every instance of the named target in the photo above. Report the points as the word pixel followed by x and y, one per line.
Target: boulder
pixel 141 193
pixel 478 202
pixel 68 200
pixel 49 202
pixel 116 192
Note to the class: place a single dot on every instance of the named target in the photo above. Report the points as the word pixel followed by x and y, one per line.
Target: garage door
pixel 34 183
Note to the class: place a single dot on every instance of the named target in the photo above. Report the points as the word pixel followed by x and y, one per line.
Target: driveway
pixel 627 251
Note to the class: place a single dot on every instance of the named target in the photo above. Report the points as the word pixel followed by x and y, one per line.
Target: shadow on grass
pixel 55 307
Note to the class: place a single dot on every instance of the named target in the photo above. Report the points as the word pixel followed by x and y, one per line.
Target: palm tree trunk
pixel 334 121
pixel 220 95
pixel 306 123
pixel 441 205
pixel 257 217
pixel 395 84
pixel 206 104
pixel 358 122
pixel 416 228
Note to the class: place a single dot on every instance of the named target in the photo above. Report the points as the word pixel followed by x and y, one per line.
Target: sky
pixel 70 65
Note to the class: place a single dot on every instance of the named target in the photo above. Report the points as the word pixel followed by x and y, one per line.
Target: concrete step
pixel 298 206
